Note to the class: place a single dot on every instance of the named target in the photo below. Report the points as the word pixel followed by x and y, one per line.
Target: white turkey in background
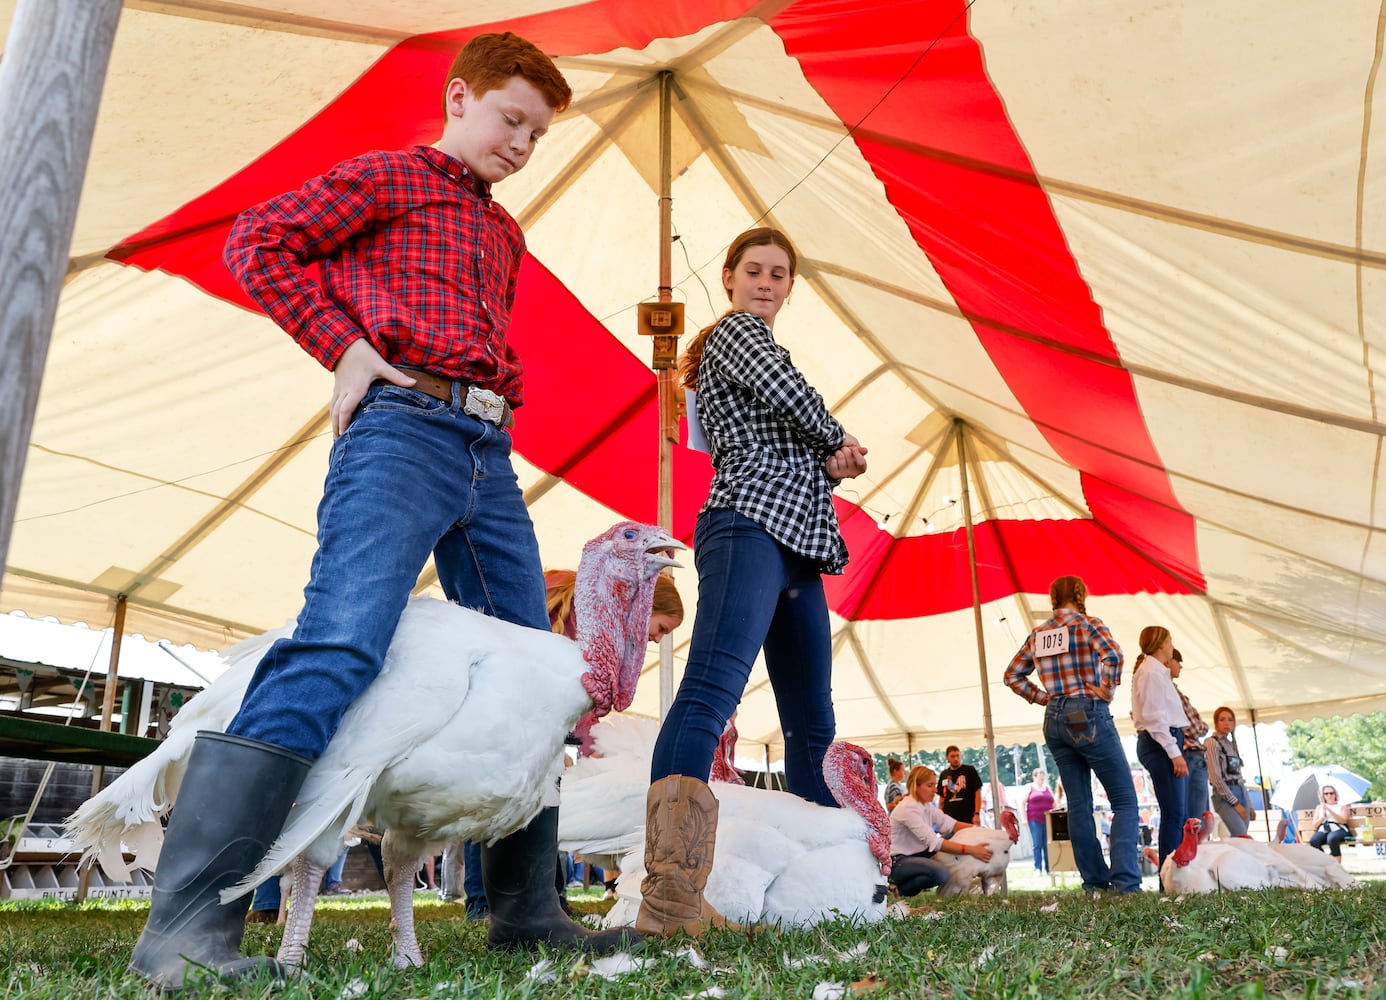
pixel 1287 873
pixel 724 760
pixel 602 797
pixel 967 869
pixel 781 859
pixel 602 815
pixel 459 738
pixel 1193 867
pixel 1323 871
pixel 1296 865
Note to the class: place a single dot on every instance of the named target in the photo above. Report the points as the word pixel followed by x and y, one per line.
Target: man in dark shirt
pixel 960 789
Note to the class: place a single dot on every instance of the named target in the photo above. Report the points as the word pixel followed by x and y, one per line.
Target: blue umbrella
pixel 1300 788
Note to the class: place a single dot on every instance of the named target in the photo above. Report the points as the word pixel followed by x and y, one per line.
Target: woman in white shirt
pixel 1159 716
pixel 919 829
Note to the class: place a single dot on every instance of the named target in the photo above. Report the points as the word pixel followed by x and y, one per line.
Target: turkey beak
pixel 661 553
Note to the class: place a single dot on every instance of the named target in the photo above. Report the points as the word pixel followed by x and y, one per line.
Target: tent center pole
pixel 998 801
pixel 665 354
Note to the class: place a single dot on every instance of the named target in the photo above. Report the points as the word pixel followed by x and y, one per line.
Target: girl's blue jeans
pixel 412 476
pixel 1236 825
pixel 1171 791
pixel 914 873
pixel 753 593
pixel 1082 752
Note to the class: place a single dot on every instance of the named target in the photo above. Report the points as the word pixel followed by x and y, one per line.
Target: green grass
pixel 1271 943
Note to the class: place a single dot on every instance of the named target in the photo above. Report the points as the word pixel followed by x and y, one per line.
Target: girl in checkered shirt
pixel 765 536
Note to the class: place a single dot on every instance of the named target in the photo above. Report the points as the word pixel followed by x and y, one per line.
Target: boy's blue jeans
pixel 753 592
pixel 1171 791
pixel 472 885
pixel 1080 752
pixel 411 476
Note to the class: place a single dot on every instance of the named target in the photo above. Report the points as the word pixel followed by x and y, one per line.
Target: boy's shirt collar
pixel 455 170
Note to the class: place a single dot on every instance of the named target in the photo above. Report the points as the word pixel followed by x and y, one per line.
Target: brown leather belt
pixel 479 402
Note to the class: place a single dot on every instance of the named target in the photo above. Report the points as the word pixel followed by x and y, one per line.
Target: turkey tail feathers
pixel 131 808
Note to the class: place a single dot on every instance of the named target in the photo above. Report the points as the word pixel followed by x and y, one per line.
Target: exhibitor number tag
pixel 1051 642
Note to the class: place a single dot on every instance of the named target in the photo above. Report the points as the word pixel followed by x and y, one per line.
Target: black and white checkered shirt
pixel 770 434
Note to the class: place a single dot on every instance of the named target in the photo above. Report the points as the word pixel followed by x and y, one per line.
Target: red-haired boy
pixel 410 311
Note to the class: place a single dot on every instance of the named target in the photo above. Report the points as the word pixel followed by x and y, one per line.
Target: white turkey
pixel 602 796
pixel 1287 873
pixel 968 870
pixel 780 859
pixel 1210 867
pixel 1322 870
pixel 459 737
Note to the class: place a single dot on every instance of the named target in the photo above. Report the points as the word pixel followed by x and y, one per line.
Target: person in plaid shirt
pixel 1079 668
pixel 1195 755
pixel 397 272
pixel 765 536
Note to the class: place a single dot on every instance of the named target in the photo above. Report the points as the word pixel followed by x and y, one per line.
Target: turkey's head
pixel 1206 832
pixel 851 777
pixel 1011 825
pixel 1188 847
pixel 612 599
pixel 723 768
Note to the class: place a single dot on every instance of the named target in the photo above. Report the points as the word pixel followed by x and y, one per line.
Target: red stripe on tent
pixel 930 574
pixel 394 104
pixel 601 442
pixel 594 425
pixel 593 416
pixel 993 239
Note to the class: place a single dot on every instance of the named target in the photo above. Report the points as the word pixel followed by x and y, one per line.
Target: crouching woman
pixel 919 830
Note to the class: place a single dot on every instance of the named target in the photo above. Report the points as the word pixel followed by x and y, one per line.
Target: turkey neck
pixel 1187 850
pixel 852 792
pixel 613 624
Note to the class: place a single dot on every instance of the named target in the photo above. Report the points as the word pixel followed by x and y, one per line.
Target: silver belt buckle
pixel 485 405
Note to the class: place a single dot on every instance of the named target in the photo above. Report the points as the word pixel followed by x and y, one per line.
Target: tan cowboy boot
pixel 680 831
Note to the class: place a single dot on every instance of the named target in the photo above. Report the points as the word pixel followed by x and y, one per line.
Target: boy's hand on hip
pixel 356 369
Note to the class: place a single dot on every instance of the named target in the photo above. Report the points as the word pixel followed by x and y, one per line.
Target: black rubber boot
pixel 231 806
pixel 519 871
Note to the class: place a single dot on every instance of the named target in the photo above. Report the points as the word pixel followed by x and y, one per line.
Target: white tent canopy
pixel 1125 264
